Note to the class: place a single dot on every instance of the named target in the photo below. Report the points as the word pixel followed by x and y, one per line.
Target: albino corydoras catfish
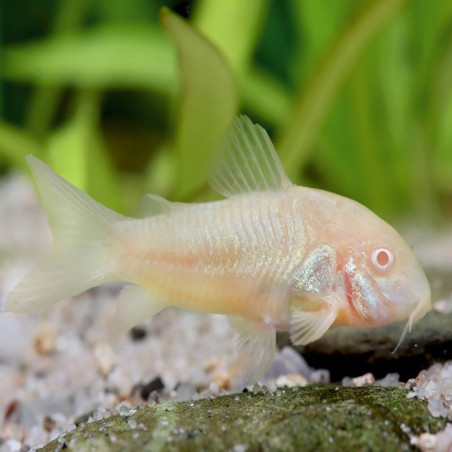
pixel 273 256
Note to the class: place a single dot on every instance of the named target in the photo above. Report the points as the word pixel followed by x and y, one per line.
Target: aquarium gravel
pixel 435 385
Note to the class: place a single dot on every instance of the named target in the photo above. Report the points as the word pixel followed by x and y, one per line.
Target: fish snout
pixel 413 300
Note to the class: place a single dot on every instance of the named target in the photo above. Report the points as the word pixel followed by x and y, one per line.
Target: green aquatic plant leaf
pixel 76 151
pixel 109 56
pixel 317 24
pixel 233 26
pixel 15 144
pixel 266 96
pixel 314 100
pixel 207 103
pixel 442 156
pixel 44 100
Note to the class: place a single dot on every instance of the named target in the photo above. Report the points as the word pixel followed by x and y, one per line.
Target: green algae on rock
pixel 313 417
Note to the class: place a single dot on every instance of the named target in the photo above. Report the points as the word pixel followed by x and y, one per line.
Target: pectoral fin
pixel 135 306
pixel 308 326
pixel 256 349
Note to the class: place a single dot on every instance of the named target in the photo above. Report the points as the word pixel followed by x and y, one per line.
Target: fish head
pixel 380 276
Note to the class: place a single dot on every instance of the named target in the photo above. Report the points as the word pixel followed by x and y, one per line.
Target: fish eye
pixel 382 259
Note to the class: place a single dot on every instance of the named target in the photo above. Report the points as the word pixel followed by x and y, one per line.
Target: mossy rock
pixel 310 418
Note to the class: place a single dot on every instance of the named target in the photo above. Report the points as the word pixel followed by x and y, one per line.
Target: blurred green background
pixel 123 98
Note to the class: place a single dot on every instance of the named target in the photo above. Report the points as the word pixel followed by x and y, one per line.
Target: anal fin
pixel 308 326
pixel 256 348
pixel 135 305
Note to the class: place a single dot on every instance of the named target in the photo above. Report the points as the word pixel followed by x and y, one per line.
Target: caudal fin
pixel 80 254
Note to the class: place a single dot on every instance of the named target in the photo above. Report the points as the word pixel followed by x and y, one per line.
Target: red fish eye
pixel 382 259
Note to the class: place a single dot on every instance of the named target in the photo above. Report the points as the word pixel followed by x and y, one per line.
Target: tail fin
pixel 79 257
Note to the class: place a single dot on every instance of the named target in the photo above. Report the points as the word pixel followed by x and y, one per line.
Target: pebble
pixel 212 364
pixel 364 380
pixel 185 392
pixel 434 384
pixel 391 379
pixel 320 376
pixel 222 379
pixel 427 441
pixel 123 407
pixel 138 333
pixel 154 385
pixel 105 358
pixel 213 388
pixel 288 361
pixel 44 342
pixel 132 424
pixel 12 445
pixel 48 424
pixel 443 306
pixel 291 380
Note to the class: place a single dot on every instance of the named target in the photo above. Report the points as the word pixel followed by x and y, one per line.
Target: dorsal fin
pixel 151 205
pixel 246 161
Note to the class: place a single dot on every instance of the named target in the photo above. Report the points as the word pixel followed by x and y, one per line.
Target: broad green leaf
pixel 76 151
pixel 15 144
pixel 207 105
pixel 314 100
pixel 120 56
pixel 232 25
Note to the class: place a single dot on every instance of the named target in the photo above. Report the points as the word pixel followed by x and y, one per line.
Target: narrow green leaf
pixel 15 144
pixel 373 172
pixel 233 26
pixel 313 102
pixel 109 56
pixel 442 156
pixel 207 105
pixel 44 100
pixel 76 151
pixel 66 152
pixel 317 24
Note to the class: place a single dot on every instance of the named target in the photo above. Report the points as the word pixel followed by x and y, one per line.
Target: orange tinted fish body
pixel 224 257
pixel 272 256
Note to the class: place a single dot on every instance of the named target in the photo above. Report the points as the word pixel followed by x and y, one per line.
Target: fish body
pixel 273 256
